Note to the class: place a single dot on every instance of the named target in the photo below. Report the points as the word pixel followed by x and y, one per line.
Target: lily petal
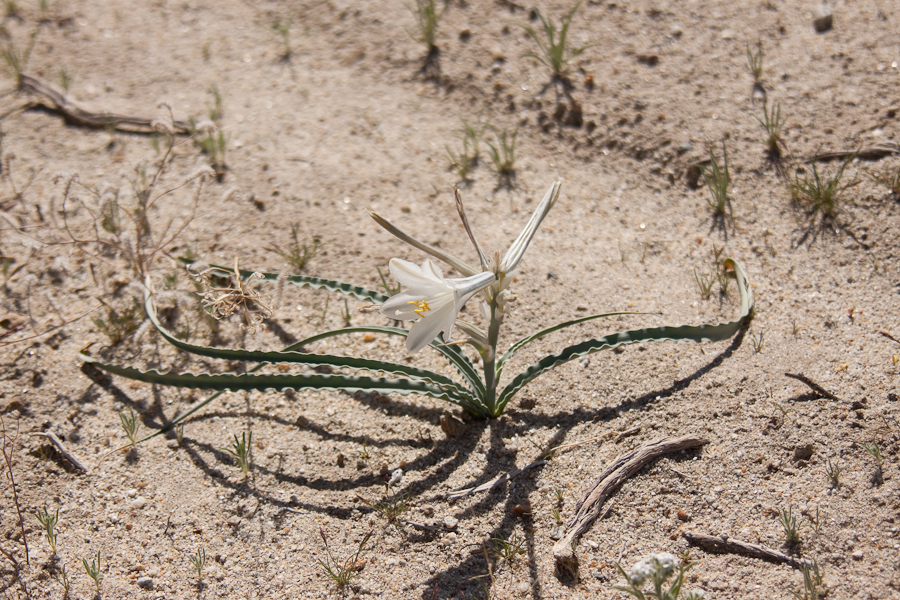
pixel 451 260
pixel 517 249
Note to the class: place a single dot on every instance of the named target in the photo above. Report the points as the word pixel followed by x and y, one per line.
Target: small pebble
pixel 138 503
pixel 858 555
pixel 145 583
pixel 450 523
pixel 823 17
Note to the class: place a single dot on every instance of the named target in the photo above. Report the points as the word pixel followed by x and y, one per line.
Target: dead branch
pixel 813 386
pixel 63 450
pixel 588 508
pixel 8 449
pixel 873 152
pixel 732 546
pixel 53 98
pixel 455 495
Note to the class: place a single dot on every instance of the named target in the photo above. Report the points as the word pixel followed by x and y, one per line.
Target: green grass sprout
pixel 130 425
pixel 718 179
pixel 554 51
pixel 240 450
pixel 93 570
pixel 48 522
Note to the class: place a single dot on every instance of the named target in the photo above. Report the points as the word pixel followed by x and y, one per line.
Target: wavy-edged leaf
pixel 536 336
pixel 291 356
pixel 316 283
pixel 246 382
pixel 456 356
pixel 697 333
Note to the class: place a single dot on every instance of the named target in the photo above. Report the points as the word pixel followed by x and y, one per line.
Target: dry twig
pixel 499 480
pixel 813 386
pixel 58 101
pixel 63 450
pixel 588 508
pixel 8 449
pixel 732 546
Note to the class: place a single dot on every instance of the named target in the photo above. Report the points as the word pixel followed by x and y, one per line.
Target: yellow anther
pixel 422 307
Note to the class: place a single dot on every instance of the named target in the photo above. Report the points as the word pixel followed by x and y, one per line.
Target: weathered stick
pixel 493 482
pixel 813 386
pixel 58 101
pixel 731 546
pixel 588 508
pixel 873 152
pixel 63 450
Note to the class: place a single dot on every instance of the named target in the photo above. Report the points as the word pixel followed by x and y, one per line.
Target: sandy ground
pixel 337 117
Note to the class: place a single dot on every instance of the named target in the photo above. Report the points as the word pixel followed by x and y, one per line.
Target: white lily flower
pixel 430 299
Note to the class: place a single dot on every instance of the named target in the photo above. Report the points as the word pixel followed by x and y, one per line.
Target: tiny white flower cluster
pixel 655 566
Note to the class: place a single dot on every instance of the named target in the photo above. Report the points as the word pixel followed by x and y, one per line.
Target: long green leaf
pixel 223 382
pixel 289 356
pixel 696 333
pixel 316 283
pixel 536 336
pixel 456 356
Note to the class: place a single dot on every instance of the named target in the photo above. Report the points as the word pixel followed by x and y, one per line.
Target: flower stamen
pixel 422 307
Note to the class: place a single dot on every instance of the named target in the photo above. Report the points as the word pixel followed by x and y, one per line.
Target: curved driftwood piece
pixel 588 508
pixel 56 100
pixel 730 546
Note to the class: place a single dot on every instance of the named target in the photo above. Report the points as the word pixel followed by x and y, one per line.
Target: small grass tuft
pixel 298 253
pixel 791 527
pixel 773 123
pixel 427 18
pixel 131 425
pixel 890 179
pixel 62 578
pixel 553 45
pixel 556 516
pixel 94 571
pixel 718 179
pixel 390 507
pixel 240 450
pixel 507 550
pixel 758 341
pixel 120 324
pixel 821 193
pixel 755 62
pixel 503 155
pixel 283 30
pixel 834 474
pixel 198 560
pixel 875 450
pixel 342 572
pixel 465 160
pixel 18 61
pixel 813 583
pixel 48 522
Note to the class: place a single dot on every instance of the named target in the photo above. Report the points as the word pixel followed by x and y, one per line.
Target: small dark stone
pixel 823 18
